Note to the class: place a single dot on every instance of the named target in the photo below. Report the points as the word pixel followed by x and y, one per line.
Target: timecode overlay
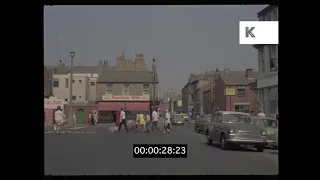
pixel 160 151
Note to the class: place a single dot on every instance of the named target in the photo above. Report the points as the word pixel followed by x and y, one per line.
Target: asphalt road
pixel 104 151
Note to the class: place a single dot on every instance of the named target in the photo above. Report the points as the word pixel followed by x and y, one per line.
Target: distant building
pixel 235 83
pixel 267 83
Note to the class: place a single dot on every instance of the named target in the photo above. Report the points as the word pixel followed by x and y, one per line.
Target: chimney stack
pixel 249 73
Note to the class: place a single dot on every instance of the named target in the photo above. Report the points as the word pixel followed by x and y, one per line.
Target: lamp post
pixel 154 83
pixel 72 54
pixel 170 99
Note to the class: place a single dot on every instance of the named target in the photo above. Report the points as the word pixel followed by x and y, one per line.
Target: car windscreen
pixel 265 122
pixel 236 118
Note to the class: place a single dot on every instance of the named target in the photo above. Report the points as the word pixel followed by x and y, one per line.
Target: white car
pixel 276 138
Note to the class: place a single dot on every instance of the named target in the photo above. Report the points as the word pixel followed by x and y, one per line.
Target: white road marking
pixel 70 132
pixel 76 128
pixel 112 129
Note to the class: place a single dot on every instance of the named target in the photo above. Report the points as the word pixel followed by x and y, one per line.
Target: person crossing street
pixel 123 120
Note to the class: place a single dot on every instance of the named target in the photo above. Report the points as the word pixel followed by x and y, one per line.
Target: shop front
pixel 50 105
pixel 110 105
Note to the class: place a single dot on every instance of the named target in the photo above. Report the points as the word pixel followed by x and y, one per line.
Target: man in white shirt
pixel 167 122
pixel 155 119
pixel 95 118
pixel 261 114
pixel 123 120
pixel 59 118
pixel 74 118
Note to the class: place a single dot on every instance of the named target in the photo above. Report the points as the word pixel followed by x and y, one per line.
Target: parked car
pixel 235 128
pixel 178 119
pixel 200 125
pixel 270 125
pixel 276 138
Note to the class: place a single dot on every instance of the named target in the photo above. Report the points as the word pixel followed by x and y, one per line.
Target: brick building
pixel 238 81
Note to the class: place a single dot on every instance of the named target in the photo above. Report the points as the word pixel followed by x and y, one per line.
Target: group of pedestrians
pixel 144 122
pixel 93 118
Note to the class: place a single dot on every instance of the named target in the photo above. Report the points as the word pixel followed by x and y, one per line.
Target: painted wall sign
pixel 125 98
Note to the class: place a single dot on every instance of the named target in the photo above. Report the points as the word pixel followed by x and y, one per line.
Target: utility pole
pixel 72 54
pixel 154 83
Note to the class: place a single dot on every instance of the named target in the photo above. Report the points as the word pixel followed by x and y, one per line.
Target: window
pixel 80 81
pixel 261 60
pixel 74 97
pixel 66 83
pixel 109 89
pixel 241 91
pixel 73 81
pixel 219 118
pixel 80 97
pixel 55 82
pixel 273 58
pixel 273 101
pixel 92 83
pixel 237 118
pixel 242 108
pixel 66 99
pixel 146 88
pixel 126 89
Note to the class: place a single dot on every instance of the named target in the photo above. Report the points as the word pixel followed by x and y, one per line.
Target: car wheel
pixel 260 148
pixel 209 141
pixel 224 143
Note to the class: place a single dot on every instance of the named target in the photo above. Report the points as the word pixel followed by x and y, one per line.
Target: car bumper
pixel 247 141
pixel 271 142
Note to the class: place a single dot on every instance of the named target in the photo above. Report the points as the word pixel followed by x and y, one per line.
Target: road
pixel 104 151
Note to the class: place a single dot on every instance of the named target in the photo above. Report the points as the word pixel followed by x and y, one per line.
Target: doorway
pixel 80 119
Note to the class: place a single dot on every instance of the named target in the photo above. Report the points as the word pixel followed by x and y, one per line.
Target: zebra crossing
pixel 71 132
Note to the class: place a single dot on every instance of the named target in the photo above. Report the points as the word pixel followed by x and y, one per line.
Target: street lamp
pixel 154 83
pixel 72 54
pixel 170 99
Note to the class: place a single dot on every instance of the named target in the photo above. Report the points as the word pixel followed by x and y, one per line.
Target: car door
pixel 217 121
pixel 211 127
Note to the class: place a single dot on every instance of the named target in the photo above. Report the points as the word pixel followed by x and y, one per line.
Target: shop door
pixel 80 118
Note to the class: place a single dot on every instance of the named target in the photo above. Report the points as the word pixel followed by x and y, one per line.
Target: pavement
pixel 93 150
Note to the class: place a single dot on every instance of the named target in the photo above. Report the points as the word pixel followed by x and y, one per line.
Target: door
pixel 80 117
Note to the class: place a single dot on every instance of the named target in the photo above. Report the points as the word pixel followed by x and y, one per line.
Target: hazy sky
pixel 183 39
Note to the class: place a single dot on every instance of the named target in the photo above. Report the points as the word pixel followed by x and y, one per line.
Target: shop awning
pixel 110 106
pixel 137 106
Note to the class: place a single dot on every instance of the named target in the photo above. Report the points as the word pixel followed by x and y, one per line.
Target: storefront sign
pixel 53 103
pixel 230 92
pixel 125 98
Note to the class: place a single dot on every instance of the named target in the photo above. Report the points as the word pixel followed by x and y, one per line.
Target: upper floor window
pixel 241 91
pixel 273 58
pixel 109 88
pixel 55 82
pixel 146 88
pixel 66 81
pixel 126 89
pixel 92 83
pixel 261 60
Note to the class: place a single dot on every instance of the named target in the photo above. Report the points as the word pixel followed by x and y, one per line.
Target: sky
pixel 182 39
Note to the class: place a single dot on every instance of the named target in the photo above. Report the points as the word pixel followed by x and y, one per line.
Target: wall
pixel 220 98
pixel 248 98
pixel 207 106
pixel 75 109
pixel 78 88
pixel 118 89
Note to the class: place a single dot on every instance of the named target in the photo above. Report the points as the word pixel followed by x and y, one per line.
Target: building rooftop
pixel 237 77
pixel 127 77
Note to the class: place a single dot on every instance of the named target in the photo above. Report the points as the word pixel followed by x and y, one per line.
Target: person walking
pixel 59 118
pixel 148 123
pixel 155 119
pixel 123 120
pixel 95 118
pixel 261 114
pixel 74 119
pixel 167 123
pixel 142 122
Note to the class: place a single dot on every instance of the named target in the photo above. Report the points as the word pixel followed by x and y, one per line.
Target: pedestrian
pixel 167 123
pixel 92 119
pixel 74 119
pixel 261 114
pixel 95 118
pixel 59 118
pixel 90 115
pixel 155 118
pixel 123 120
pixel 54 121
pixel 142 122
pixel 148 123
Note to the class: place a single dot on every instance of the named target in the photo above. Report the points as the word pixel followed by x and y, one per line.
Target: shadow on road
pixel 234 148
